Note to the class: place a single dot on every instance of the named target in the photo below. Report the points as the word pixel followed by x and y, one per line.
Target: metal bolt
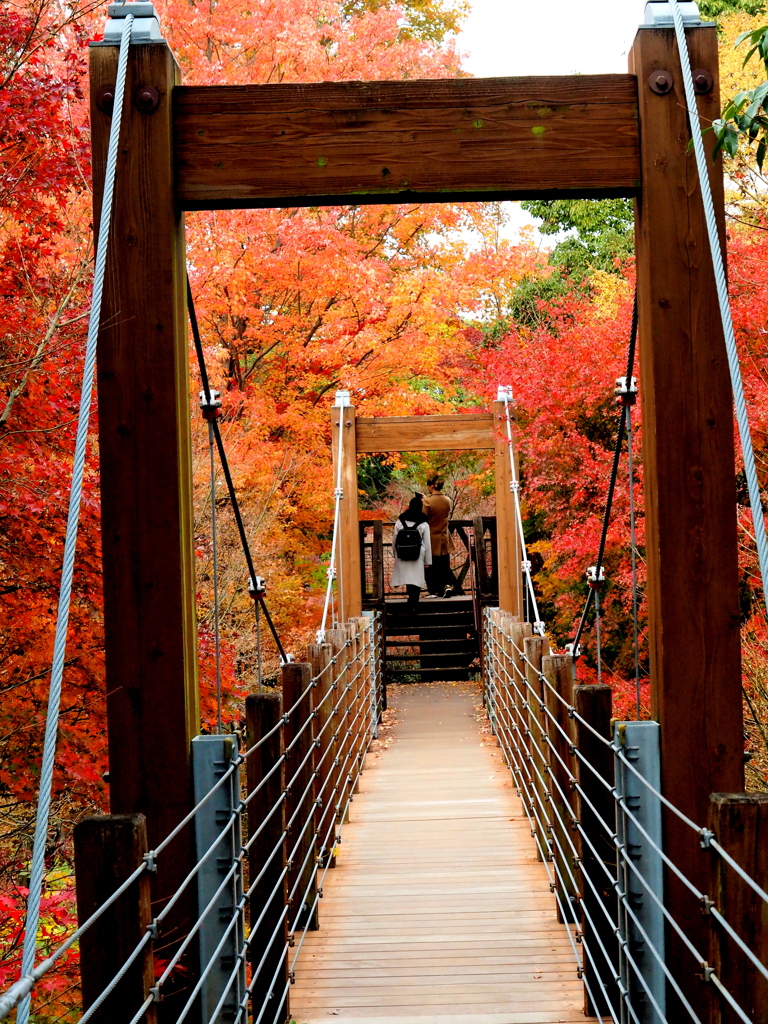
pixel 703 81
pixel 105 99
pixel 661 82
pixel 147 98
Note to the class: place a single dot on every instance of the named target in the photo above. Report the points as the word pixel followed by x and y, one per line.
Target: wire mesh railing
pixel 266 824
pixel 590 788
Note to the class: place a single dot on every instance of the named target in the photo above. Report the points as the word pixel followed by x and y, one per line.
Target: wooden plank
pixel 108 848
pixel 690 502
pixel 336 142
pixel 268 942
pixel 349 563
pixel 300 814
pixel 739 822
pixel 558 672
pixel 424 433
pixel 146 481
pixel 596 810
pixel 437 906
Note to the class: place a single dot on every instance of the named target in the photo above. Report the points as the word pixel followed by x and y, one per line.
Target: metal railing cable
pixel 352 732
pixel 37 871
pixel 718 263
pixel 538 816
pixel 214 423
pixel 584 836
pixel 702 833
pixel 525 740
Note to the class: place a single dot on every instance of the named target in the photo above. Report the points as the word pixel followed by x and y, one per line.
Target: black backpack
pixel 407 542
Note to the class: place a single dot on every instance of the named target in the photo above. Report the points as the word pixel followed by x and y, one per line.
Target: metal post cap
pixel 145 28
pixel 658 13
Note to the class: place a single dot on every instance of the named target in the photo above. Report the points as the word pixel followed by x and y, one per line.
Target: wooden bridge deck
pixel 437 910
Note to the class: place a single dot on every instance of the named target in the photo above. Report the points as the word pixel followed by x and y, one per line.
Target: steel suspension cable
pixel 70 542
pixel 611 483
pixel 214 543
pixel 227 474
pixel 505 395
pixel 633 549
pixel 338 494
pixel 718 263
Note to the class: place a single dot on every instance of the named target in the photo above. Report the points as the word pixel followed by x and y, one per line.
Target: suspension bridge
pixel 492 852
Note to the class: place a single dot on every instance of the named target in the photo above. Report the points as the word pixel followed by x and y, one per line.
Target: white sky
pixel 548 37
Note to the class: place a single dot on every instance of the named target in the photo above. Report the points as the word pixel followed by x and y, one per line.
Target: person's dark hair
pixel 415 511
pixel 436 481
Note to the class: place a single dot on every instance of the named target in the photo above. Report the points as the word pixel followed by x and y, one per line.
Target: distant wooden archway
pixel 384 434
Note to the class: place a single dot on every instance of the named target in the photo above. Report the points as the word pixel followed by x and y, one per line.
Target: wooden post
pixel 108 848
pixel 299 769
pixel 518 631
pixel 740 824
pixel 348 545
pixel 508 542
pixel 558 671
pixel 535 647
pixel 146 480
pixel 320 659
pixel 377 562
pixel 693 601
pixel 269 896
pixel 593 704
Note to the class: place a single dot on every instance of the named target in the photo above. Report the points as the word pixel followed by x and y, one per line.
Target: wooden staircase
pixel 436 642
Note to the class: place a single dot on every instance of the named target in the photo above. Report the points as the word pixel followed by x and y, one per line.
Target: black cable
pixel 612 483
pixel 225 467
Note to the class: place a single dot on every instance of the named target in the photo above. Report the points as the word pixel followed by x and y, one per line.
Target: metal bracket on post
pixel 658 14
pixel 638 743
pixel 145 28
pixel 219 816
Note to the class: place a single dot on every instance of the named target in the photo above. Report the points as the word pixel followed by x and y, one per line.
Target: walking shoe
pixel 427 597
pixel 448 592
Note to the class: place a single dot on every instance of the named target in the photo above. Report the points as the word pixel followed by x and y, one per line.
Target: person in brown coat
pixel 440 580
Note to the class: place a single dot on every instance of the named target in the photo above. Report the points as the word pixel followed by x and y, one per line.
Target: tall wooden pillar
pixel 349 589
pixel 507 539
pixel 144 443
pixel 690 498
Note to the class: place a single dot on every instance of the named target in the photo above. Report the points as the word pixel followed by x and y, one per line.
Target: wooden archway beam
pixel 449 140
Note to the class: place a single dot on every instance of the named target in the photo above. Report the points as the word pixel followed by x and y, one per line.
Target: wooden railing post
pixel 108 848
pixel 269 941
pixel 534 648
pixel 507 702
pixel 320 658
pixel 597 815
pixel 739 822
pixel 558 672
pixel 299 804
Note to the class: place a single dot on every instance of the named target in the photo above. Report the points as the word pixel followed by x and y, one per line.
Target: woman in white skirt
pixel 409 572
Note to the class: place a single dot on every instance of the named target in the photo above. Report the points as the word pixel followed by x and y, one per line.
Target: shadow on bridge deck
pixel 437 910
